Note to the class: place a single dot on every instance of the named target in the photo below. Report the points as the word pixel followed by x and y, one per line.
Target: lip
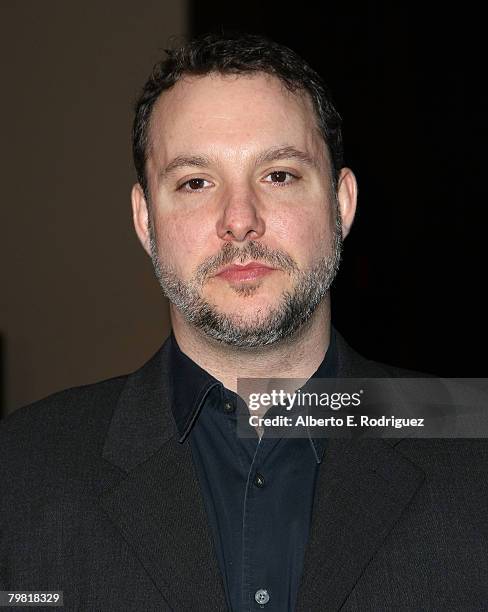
pixel 250 271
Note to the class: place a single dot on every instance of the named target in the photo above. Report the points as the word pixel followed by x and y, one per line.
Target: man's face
pixel 243 228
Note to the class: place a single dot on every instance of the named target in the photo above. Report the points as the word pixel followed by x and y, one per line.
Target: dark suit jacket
pixel 100 500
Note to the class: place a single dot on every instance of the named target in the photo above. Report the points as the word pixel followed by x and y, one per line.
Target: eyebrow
pixel 270 155
pixel 277 153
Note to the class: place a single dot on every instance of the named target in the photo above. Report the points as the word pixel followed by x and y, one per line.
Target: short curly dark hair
pixel 236 53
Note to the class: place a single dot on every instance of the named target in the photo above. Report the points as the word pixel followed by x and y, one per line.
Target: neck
pixel 296 357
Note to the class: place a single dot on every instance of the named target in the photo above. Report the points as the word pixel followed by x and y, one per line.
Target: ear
pixel 140 216
pixel 347 192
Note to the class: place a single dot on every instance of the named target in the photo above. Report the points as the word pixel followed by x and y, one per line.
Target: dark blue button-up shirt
pixel 258 493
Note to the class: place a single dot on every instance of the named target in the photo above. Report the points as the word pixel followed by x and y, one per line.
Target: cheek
pixel 183 241
pixel 300 231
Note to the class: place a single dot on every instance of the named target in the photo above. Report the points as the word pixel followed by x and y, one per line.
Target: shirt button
pixel 259 482
pixel 229 407
pixel 261 596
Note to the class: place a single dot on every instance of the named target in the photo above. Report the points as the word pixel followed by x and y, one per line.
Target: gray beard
pixel 295 307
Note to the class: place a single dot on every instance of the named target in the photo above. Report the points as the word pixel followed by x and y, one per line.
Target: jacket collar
pixel 142 421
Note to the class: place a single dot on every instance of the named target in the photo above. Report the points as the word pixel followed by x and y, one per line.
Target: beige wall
pixel 79 301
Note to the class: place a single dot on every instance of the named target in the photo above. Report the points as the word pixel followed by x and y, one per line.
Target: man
pixel 138 493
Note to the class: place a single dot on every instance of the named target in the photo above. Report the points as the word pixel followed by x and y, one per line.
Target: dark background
pixel 408 81
pixel 78 297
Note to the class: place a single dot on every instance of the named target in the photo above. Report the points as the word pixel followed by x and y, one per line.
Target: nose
pixel 241 218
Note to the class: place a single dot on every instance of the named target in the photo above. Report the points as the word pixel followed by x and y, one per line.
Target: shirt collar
pixel 191 384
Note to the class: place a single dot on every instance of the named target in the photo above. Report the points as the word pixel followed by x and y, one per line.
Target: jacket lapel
pixel 157 504
pixel 362 489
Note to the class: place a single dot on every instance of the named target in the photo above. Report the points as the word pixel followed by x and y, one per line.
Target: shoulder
pixel 70 427
pixel 66 404
pixel 63 419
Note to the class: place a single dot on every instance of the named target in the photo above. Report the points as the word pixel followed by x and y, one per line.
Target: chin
pixel 247 317
pixel 246 309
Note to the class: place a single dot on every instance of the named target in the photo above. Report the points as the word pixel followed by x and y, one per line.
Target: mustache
pixel 257 251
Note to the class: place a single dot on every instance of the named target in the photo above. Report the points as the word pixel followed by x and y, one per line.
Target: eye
pixel 281 177
pixel 194 184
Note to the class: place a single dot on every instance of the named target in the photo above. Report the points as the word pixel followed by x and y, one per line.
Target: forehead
pixel 233 115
